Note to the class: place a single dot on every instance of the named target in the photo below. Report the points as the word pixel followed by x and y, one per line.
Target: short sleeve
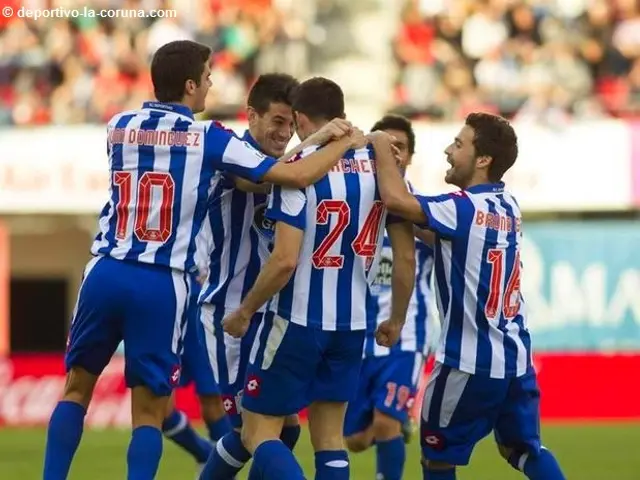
pixel 447 214
pixel 233 155
pixel 289 206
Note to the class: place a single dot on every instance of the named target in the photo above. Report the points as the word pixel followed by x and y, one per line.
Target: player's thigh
pixel 96 324
pixel 518 425
pixel 359 416
pixel 155 318
pixel 336 377
pixel 282 363
pixel 396 384
pixel 196 365
pixel 458 411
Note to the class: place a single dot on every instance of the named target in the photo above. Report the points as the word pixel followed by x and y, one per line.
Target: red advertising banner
pixel 574 387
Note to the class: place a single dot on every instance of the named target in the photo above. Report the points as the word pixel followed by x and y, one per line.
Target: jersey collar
pixel 247 137
pixel 170 107
pixel 487 188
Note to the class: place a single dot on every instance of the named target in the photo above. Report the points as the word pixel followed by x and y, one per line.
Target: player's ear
pixel 483 162
pixel 252 115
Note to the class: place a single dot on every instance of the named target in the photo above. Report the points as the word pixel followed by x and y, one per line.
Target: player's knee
pixel 79 386
pixel 505 452
pixel 291 421
pixel 357 443
pixel 147 408
pixel 211 408
pixel 385 427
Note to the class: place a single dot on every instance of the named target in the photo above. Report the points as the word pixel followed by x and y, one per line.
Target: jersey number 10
pixel 365 243
pixel 146 183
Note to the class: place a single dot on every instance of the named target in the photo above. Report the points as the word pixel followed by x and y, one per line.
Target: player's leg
pixel 176 425
pixel 394 388
pixel 335 384
pixel 358 420
pixel 517 432
pixel 279 375
pixel 154 320
pixel 290 431
pixel 229 360
pixel 94 337
pixel 457 412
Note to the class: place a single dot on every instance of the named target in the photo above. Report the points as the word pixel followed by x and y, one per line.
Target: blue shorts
pixel 228 357
pixel 388 384
pixel 460 409
pixel 196 366
pixel 144 306
pixel 292 366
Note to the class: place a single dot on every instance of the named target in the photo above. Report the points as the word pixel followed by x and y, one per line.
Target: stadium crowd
pixel 84 70
pixel 540 60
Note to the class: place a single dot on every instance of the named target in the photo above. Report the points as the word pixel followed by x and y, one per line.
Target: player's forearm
pixel 391 185
pixel 426 236
pixel 250 187
pixel 403 277
pixel 273 277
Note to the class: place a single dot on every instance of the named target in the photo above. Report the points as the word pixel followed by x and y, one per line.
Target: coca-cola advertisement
pixel 574 387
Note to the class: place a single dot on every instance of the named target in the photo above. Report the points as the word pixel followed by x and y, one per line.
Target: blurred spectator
pixel 538 60
pixel 83 70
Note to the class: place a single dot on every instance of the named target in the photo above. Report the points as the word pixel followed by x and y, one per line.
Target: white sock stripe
pixel 182 424
pixel 522 461
pixel 337 464
pixel 227 457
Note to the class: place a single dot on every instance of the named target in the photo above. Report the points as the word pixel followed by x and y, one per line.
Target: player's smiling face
pixel 272 130
pixel 461 155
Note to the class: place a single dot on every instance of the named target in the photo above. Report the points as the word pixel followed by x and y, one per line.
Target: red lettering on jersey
pixel 479 217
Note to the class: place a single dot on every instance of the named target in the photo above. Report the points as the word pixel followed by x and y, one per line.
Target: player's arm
pixel 250 187
pixel 403 271
pixel 288 209
pixel 393 189
pixel 427 237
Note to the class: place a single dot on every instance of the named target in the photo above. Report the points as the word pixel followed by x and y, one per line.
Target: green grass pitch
pixel 586 451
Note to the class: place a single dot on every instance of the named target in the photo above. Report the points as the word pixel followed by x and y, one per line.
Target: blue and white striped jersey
pixel 343 220
pixel 477 279
pixel 237 251
pixel 414 334
pixel 161 166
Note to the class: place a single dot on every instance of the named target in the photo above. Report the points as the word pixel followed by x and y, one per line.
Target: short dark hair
pixel 271 88
pixel 173 64
pixel 319 99
pixel 494 137
pixel 400 123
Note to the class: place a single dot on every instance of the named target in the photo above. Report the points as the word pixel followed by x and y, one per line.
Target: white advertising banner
pixel 581 167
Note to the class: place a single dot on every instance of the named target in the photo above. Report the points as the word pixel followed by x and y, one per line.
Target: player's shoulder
pixel 366 152
pixel 117 119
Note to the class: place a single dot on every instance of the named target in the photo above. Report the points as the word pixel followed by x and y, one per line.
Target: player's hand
pixel 334 130
pixel 388 332
pixel 357 139
pixel 236 324
pixel 380 137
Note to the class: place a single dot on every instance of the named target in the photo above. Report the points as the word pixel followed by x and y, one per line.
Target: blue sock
pixel 543 466
pixel 177 428
pixel 290 436
pixel 390 458
pixel 219 428
pixel 332 465
pixel 145 450
pixel 63 437
pixel 438 474
pixel 272 460
pixel 227 459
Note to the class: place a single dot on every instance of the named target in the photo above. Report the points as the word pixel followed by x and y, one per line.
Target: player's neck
pixel 313 128
pixel 477 180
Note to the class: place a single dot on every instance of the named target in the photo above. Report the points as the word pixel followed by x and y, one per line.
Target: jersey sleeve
pixel 233 155
pixel 447 214
pixel 289 206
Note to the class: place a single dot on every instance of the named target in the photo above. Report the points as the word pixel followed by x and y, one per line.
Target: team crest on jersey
pixel 265 226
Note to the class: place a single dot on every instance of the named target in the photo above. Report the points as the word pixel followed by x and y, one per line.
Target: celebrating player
pixel 327 241
pixel 483 379
pixel 136 287
pixel 389 377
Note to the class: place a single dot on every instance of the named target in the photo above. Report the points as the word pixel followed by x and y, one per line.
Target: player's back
pixel 159 186
pixel 419 315
pixel 477 272
pixel 342 218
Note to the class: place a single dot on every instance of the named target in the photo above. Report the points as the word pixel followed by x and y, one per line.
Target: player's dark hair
pixel 175 63
pixel 494 137
pixel 272 88
pixel 400 123
pixel 319 99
